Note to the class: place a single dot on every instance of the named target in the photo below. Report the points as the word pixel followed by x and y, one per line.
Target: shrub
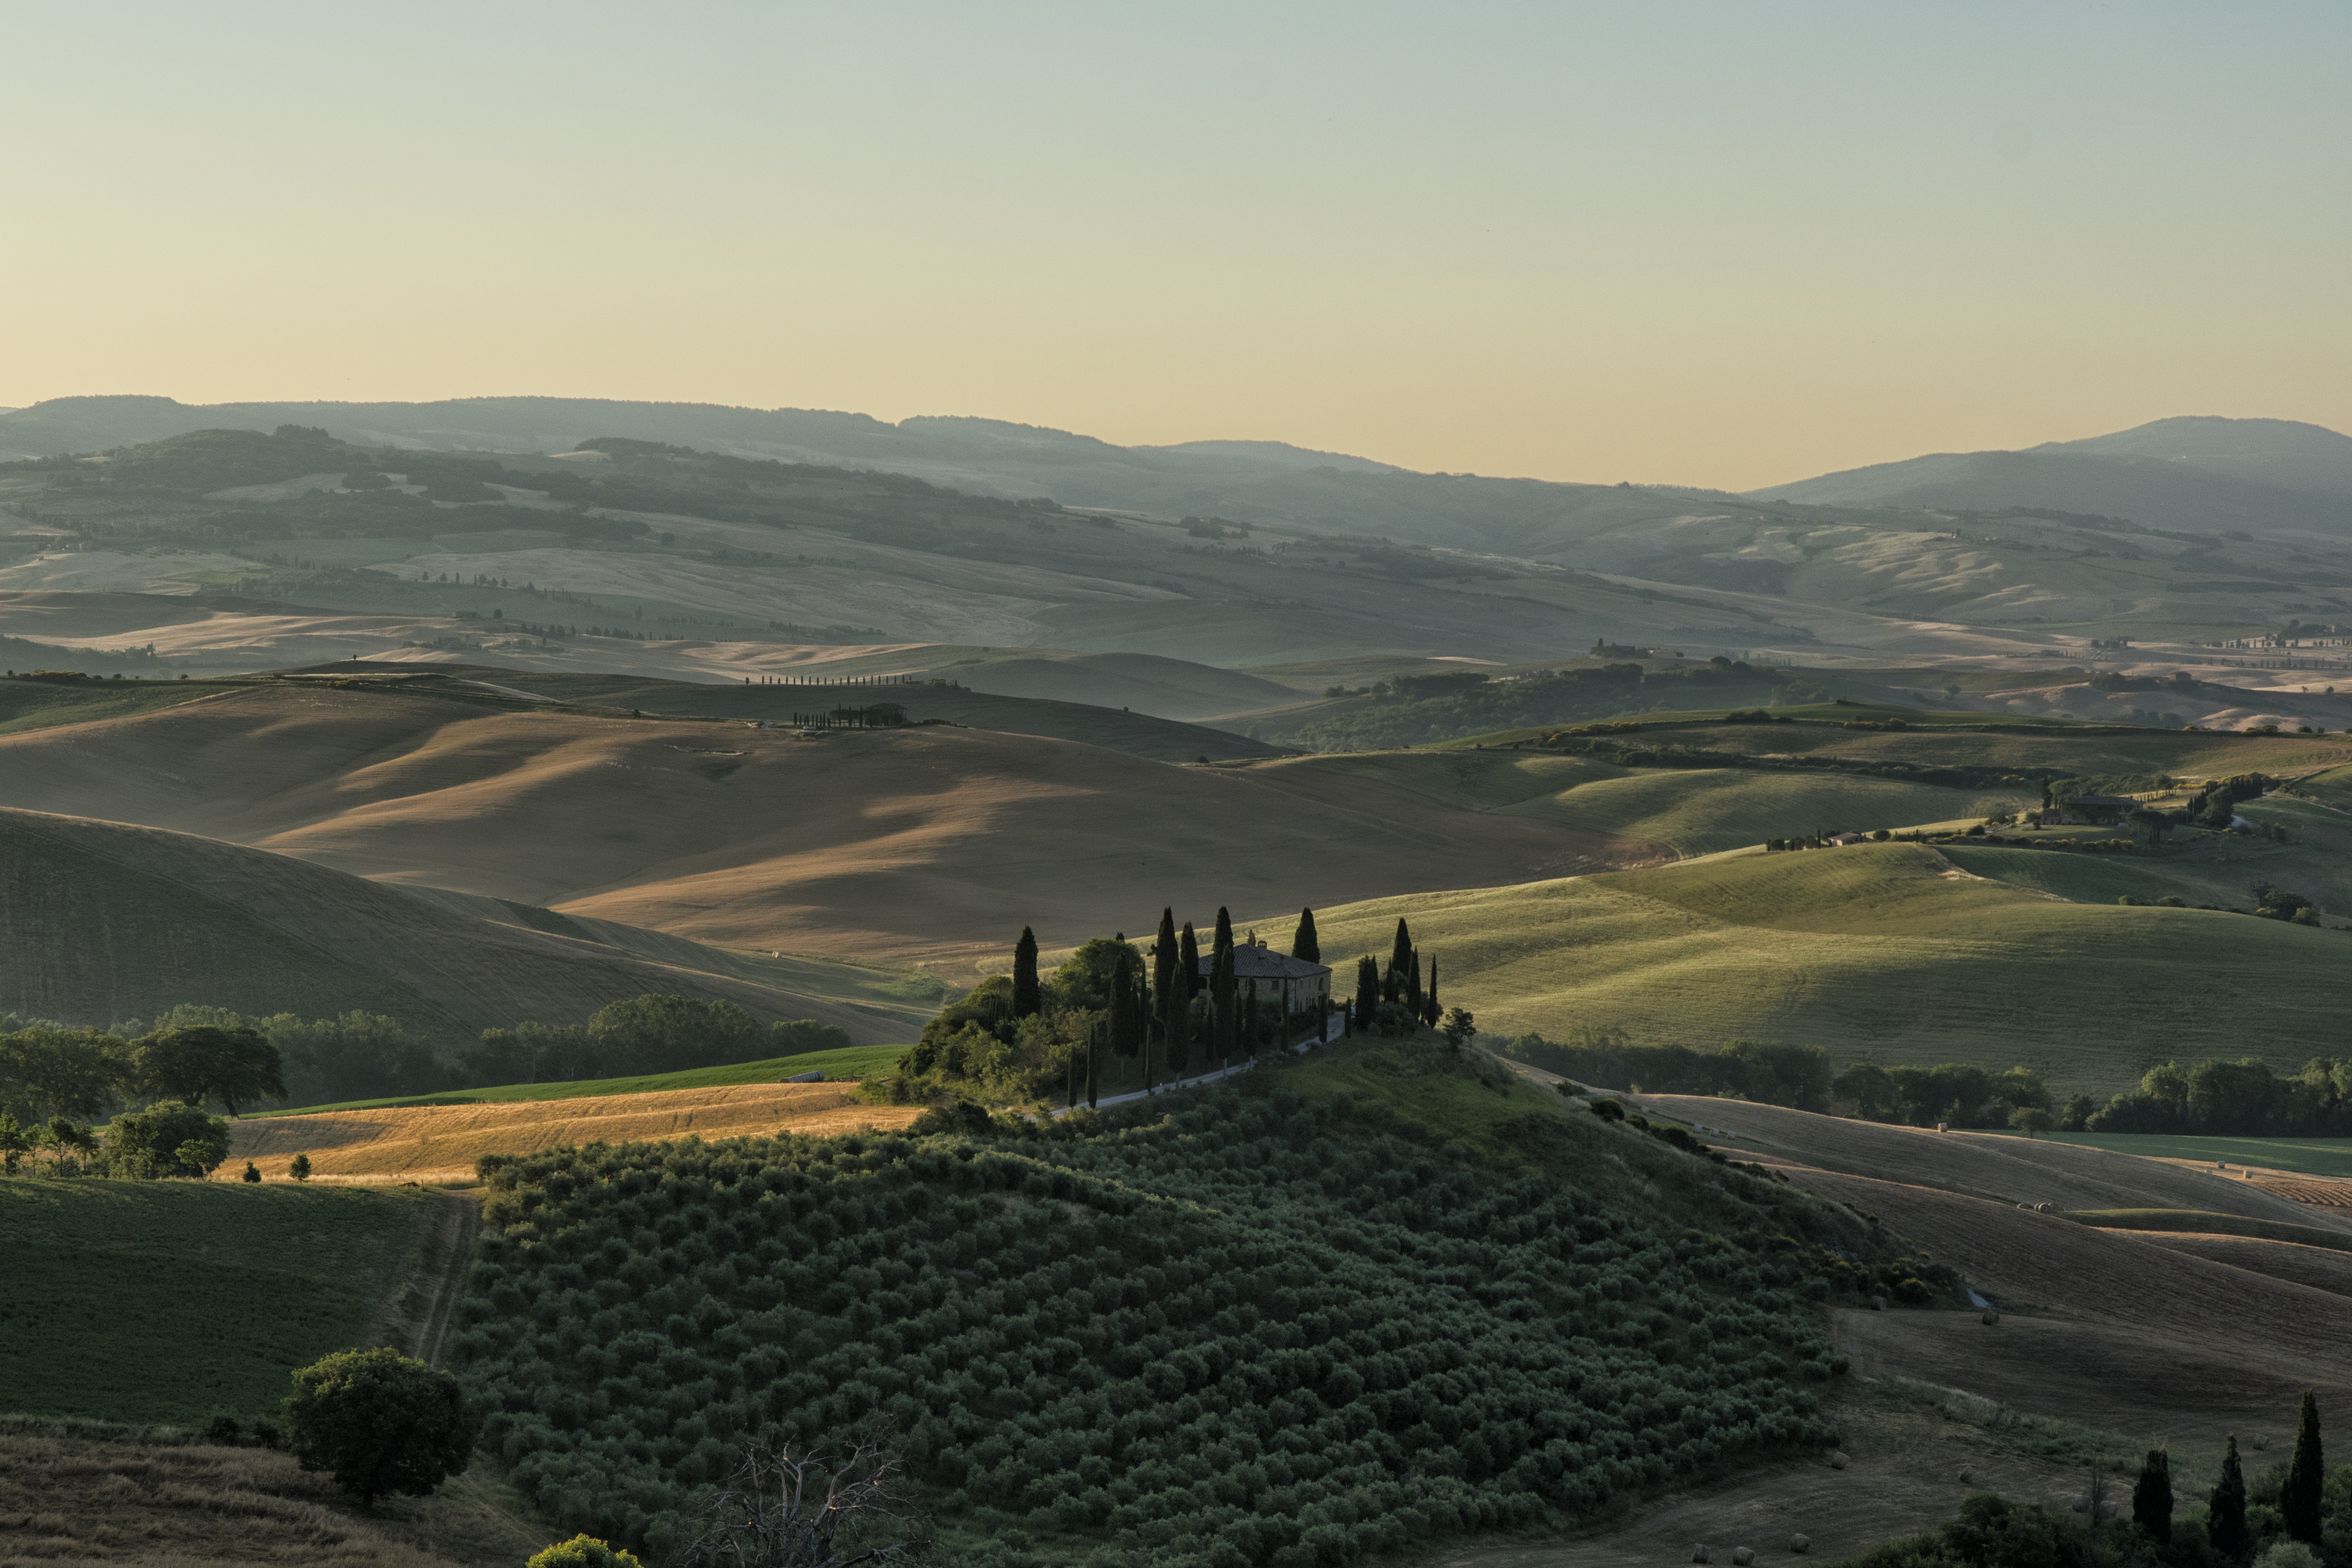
pixel 380 1423
pixel 581 1552
pixel 168 1139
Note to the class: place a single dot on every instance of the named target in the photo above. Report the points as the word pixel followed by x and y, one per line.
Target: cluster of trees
pixel 1953 1094
pixel 1422 708
pixel 1256 1331
pixel 1114 1016
pixel 2296 1515
pixel 1394 1000
pixel 2243 1098
pixel 213 1056
pixel 1765 1071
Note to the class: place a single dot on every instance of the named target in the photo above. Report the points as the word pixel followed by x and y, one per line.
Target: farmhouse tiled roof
pixel 1257 962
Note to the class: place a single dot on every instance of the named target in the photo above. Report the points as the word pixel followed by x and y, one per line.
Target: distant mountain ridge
pixel 2205 473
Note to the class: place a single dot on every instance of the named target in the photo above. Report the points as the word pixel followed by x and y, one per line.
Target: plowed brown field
pixel 2320 1268
pixel 1987 1165
pixel 441 1143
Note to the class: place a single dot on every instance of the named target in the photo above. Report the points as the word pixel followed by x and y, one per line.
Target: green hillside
pixel 857 1061
pixel 166 1302
pixel 1892 952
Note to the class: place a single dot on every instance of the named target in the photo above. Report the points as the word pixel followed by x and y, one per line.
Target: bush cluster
pixel 1256 1331
pixel 1768 1073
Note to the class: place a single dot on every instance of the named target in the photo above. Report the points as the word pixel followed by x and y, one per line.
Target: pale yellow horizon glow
pixel 1697 244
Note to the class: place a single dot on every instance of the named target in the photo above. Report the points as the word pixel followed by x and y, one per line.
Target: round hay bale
pixel 1990 1318
pixel 1800 1544
pixel 1698 1553
pixel 2079 1503
pixel 2043 1208
pixel 1879 1303
pixel 2109 1510
pixel 1743 1557
pixel 1968 1475
pixel 1838 1461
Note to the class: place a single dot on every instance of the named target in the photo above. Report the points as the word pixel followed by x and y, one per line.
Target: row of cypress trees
pixel 1153 1016
pixel 1399 985
pixel 2225 1520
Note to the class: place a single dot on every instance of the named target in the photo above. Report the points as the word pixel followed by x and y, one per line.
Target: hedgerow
pixel 1259 1330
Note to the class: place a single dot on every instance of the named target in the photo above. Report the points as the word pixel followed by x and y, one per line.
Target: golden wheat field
pixel 441 1143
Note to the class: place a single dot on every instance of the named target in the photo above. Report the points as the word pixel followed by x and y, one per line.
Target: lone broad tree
pixel 197 1062
pixel 380 1423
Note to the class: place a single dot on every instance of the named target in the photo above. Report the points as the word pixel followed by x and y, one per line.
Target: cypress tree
pixel 2226 1519
pixel 1224 937
pixel 1176 1027
pixel 1249 1021
pixel 1400 952
pixel 1122 1022
pixel 1413 987
pixel 1367 991
pixel 1163 954
pixel 1303 945
pixel 1092 1054
pixel 2152 1496
pixel 2306 1475
pixel 1225 997
pixel 1187 958
pixel 1431 1009
pixel 1028 1000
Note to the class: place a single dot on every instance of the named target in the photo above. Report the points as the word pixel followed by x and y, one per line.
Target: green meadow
pixel 166 1302
pixel 1896 953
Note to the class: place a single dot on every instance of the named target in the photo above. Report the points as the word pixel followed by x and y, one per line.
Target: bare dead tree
pixel 813 1507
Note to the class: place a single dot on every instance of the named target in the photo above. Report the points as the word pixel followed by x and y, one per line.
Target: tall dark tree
pixel 1187 958
pixel 2226 1516
pixel 1224 937
pixel 2306 1475
pixel 1163 954
pixel 1176 1027
pixel 1028 998
pixel 2152 1496
pixel 1124 1024
pixel 1094 1055
pixel 1249 1021
pixel 1367 991
pixel 1225 1006
pixel 1431 1009
pixel 1413 987
pixel 1303 944
pixel 1401 950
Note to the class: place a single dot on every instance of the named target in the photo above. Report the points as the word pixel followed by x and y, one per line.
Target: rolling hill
pixel 1894 953
pixel 102 923
pixel 936 843
pixel 2272 477
pixel 733 556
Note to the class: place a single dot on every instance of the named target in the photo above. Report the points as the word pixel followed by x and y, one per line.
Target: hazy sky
pixel 1715 244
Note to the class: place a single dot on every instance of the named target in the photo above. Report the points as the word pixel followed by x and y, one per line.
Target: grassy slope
pixel 166 1301
pixel 857 1061
pixel 1871 951
pixel 102 923
pixel 40 705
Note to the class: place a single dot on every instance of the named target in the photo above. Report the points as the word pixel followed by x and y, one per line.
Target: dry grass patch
pixel 68 1500
pixel 441 1143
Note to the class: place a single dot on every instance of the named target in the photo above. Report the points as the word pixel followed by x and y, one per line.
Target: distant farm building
pixel 1301 985
pixel 2102 810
